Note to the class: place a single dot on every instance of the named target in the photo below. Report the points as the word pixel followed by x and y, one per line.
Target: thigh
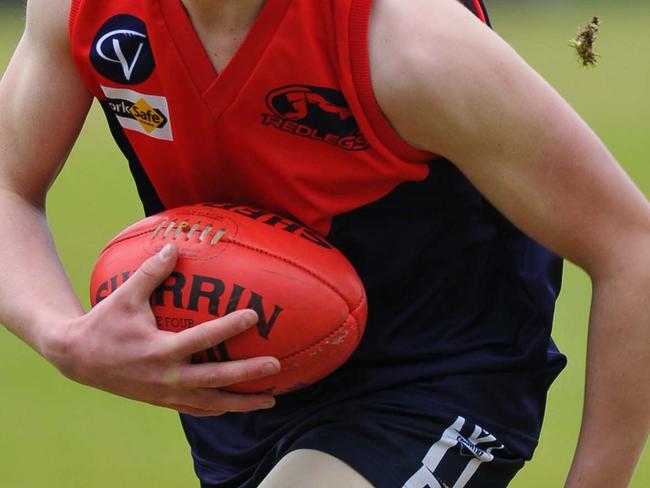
pixel 308 467
pixel 407 450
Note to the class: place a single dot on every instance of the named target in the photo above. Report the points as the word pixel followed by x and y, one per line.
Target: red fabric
pixel 221 149
pixel 74 9
pixel 478 8
pixel 360 66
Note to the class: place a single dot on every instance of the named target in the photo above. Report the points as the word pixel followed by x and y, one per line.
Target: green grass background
pixel 58 434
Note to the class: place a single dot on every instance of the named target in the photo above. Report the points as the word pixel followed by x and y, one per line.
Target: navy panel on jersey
pixel 440 265
pixel 147 193
pixel 450 270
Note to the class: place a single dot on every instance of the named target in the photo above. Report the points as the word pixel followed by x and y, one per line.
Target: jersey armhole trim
pixel 480 11
pixel 360 65
pixel 72 18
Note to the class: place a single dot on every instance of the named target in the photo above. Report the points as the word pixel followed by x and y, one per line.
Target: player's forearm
pixel 616 418
pixel 35 294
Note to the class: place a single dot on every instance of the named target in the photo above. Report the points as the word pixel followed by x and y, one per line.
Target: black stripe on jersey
pixel 148 195
pixel 471 6
pixel 485 13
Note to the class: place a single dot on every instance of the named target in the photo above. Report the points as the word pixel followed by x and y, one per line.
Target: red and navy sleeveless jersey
pixel 285 127
pixel 291 125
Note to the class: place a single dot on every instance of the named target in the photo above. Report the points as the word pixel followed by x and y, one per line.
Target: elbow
pixel 626 258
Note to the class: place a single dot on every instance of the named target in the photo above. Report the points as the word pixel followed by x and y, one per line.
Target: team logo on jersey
pixel 455 458
pixel 148 114
pixel 320 114
pixel 121 50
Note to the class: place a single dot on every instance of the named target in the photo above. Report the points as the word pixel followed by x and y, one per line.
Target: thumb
pixel 139 287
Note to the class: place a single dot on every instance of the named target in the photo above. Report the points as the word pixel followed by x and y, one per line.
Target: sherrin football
pixel 310 301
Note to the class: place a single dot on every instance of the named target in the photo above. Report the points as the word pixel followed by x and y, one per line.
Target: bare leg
pixel 315 469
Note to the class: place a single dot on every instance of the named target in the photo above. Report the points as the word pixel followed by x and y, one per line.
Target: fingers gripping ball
pixel 310 302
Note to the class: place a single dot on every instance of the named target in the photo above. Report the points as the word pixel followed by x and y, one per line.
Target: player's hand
pixel 117 347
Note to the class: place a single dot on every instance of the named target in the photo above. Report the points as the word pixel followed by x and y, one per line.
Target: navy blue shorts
pixel 398 437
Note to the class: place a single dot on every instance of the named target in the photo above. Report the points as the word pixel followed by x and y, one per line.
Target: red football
pixel 310 301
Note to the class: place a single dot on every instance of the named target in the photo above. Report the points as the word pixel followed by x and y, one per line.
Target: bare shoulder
pixel 437 49
pixel 419 35
pixel 414 23
pixel 47 23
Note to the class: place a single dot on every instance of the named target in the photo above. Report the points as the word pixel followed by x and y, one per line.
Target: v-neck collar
pixel 220 89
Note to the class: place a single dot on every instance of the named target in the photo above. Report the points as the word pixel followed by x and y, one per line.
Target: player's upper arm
pixel 451 86
pixel 43 103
